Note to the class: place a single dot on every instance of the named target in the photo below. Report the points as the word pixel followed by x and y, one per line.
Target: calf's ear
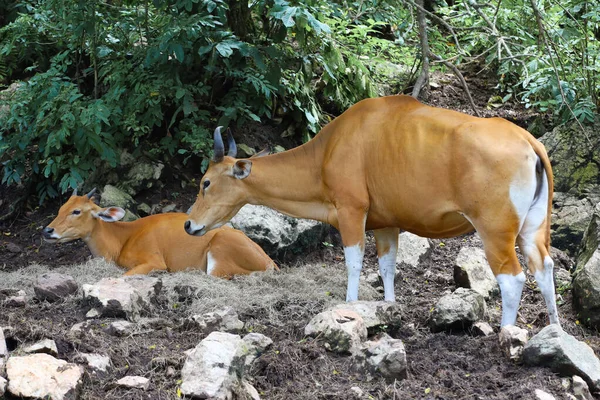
pixel 242 168
pixel 110 214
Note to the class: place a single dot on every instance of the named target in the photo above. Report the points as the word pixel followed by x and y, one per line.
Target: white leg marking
pixel 387 271
pixel 211 263
pixel 545 281
pixel 511 287
pixel 354 259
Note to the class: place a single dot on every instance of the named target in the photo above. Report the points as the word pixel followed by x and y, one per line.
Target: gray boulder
pixel 142 175
pixel 586 281
pixel 122 297
pixel 385 356
pixel 341 330
pixel 412 249
pixel 97 363
pixel 113 196
pixel 471 270
pixel 564 354
pixel 47 346
pixel 570 218
pixel 52 286
pixel 280 236
pixel 458 310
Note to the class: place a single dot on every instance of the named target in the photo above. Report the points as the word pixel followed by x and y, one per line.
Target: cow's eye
pixel 205 184
pixel 76 212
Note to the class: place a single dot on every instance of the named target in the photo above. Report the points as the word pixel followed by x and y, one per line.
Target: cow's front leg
pixel 352 228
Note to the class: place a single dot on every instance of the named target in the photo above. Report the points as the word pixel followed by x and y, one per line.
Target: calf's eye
pixel 76 212
pixel 205 184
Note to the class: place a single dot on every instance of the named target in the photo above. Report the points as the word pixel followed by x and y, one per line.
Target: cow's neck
pixel 291 181
pixel 107 239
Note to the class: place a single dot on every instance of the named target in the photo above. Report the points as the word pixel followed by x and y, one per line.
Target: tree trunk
pixel 238 18
pixel 422 83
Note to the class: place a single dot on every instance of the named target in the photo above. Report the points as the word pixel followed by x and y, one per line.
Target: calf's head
pixel 77 217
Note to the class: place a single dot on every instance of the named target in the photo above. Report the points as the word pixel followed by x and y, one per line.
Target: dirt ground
pixel 447 365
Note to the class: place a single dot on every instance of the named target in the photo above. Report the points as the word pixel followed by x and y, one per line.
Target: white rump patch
pixel 522 192
pixel 211 263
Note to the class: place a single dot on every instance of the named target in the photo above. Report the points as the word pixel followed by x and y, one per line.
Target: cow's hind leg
pixel 500 251
pixel 387 249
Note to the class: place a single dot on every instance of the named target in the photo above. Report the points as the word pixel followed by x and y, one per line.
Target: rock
pixel 142 175
pixel 250 390
pixel 280 236
pixel 120 328
pixel 112 196
pixel 541 395
pixel 144 209
pixel 413 249
pixel 47 346
pixel 80 327
pixel 581 389
pixel 374 313
pixel 374 279
pixel 482 329
pixel 13 248
pixel 134 382
pixel 17 300
pixel 3 383
pixel 341 330
pixel 458 310
pixel 97 363
pixel 564 354
pixel 562 278
pixel 512 341
pixel 169 208
pixel 213 367
pixel 43 376
pixel 52 286
pixel 3 347
pixel 471 270
pixel 586 281
pixel 386 356
pixel 570 219
pixel 224 320
pixel 561 259
pixel 255 345
pixel 357 391
pixel 123 297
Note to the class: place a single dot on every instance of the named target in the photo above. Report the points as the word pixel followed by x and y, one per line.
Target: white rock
pixel 482 329
pixel 471 270
pixel 255 345
pixel 96 362
pixel 53 287
pixel 122 297
pixel 250 390
pixel 512 341
pixel 224 320
pixel 581 389
pixel 3 383
pixel 79 327
pixel 541 395
pixel 374 313
pixel 93 313
pixel 386 356
pixel 47 346
pixel 341 330
pixel 42 376
pixel 134 382
pixel 18 300
pixel 120 328
pixel 457 310
pixel 357 391
pixel 413 249
pixel 3 348
pixel 211 369
pixel 552 347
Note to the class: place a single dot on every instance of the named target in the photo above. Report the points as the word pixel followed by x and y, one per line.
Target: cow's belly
pixel 427 220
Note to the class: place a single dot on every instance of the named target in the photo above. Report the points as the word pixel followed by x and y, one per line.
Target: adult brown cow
pixel 394 163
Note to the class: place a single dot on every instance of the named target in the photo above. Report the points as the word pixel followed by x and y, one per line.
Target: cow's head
pixel 222 188
pixel 77 217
